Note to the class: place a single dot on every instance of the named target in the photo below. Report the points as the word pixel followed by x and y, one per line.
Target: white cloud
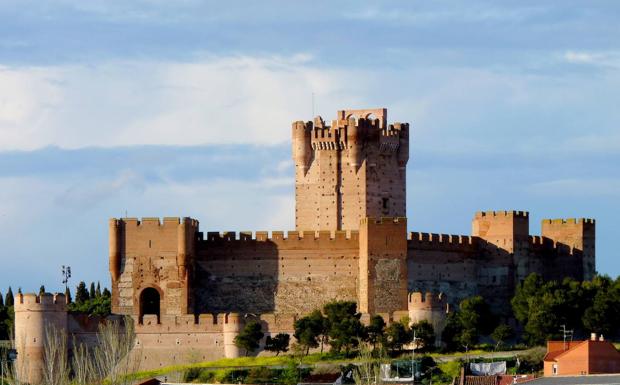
pixel 215 100
pixel 600 58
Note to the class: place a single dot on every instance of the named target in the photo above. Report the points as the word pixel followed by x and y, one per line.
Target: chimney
pixel 593 336
pixel 601 338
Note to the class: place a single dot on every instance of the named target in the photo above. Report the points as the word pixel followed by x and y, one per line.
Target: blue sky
pixel 159 108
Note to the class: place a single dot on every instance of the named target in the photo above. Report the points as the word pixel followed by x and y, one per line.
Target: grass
pixel 245 362
pixel 283 360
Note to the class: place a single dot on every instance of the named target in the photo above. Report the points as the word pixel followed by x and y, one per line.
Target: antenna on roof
pixel 566 333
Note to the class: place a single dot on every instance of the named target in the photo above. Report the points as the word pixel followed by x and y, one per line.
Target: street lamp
pixel 66 274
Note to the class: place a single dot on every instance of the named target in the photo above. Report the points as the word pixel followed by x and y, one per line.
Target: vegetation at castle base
pixel 7 315
pixel 338 325
pixel 465 326
pixel 278 344
pixel 249 338
pixel 91 302
pixel 291 374
pixel 585 307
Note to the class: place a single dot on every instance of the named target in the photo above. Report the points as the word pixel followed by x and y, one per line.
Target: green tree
pixel 41 289
pixel 396 335
pixel 9 300
pixel 1 299
pixel 68 294
pixel 451 331
pixel 91 293
pixel 249 338
pixel 106 292
pixel 98 290
pixel 524 292
pixel 308 330
pixel 344 325
pixel 375 331
pixel 425 335
pixel 81 294
pixel 277 344
pixel 501 334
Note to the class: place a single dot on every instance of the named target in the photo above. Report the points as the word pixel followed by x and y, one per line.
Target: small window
pixel 385 202
pixel 555 369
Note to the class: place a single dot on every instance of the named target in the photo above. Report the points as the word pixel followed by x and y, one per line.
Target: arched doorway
pixel 149 302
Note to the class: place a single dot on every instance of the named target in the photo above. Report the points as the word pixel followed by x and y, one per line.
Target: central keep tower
pixel 353 169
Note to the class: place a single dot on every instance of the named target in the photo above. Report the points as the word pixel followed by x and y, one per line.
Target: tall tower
pixel 353 169
pixel 576 237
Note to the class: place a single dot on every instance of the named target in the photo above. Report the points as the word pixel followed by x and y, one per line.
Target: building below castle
pixel 189 292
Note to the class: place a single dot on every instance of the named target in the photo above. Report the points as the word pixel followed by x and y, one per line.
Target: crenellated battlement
pixel 151 222
pixel 569 221
pixel 384 220
pixel 42 302
pixel 441 239
pixel 208 323
pixel 278 236
pixel 502 213
pixel 427 301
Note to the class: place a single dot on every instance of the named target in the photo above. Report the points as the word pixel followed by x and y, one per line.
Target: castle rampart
pixel 190 293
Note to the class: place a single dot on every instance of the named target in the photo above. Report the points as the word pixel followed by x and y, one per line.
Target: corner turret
pixel 34 315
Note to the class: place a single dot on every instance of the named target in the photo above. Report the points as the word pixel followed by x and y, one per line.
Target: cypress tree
pixel 81 294
pixel 19 290
pixel 98 290
pixel 42 289
pixel 106 292
pixel 1 300
pixel 9 300
pixel 68 294
pixel 91 292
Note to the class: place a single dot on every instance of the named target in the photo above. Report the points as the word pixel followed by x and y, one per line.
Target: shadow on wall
pixel 235 275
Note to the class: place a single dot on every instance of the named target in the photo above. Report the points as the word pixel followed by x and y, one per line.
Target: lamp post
pixel 66 274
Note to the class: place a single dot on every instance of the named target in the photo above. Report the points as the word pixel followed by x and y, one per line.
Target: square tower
pixel 353 169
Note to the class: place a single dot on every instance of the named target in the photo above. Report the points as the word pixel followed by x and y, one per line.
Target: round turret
pixel 115 250
pixel 233 325
pixel 301 145
pixel 430 307
pixel 34 314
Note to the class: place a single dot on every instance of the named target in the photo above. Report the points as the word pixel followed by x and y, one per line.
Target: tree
pixel 344 326
pixel 277 344
pixel 375 330
pixel 424 333
pixel 42 290
pixel 68 294
pixel 307 331
pixel 81 294
pixel 396 335
pixel 91 293
pixel 501 334
pixel 106 292
pixel 98 290
pixel 249 338
pixel 9 300
pixel 474 318
pixel 1 300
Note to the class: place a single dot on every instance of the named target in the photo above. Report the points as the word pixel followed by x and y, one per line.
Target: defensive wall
pixel 190 293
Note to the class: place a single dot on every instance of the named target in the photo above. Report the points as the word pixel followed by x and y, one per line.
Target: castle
pixel 190 293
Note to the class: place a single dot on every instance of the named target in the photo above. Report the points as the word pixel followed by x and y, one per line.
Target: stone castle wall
pixel 290 273
pixel 190 294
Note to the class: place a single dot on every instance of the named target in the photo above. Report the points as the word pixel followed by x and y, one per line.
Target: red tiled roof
pixel 481 380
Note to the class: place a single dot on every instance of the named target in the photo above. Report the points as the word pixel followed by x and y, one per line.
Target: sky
pixel 159 108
